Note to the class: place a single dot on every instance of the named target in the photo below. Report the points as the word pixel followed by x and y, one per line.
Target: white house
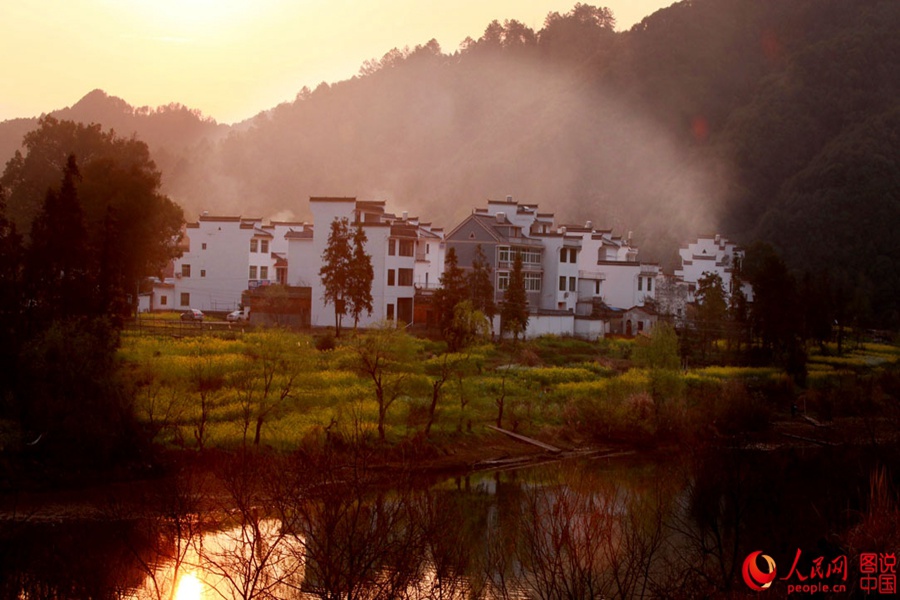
pixel 568 270
pixel 710 254
pixel 222 257
pixel 404 253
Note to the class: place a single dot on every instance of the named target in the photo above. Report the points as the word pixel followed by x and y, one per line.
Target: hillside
pixel 756 118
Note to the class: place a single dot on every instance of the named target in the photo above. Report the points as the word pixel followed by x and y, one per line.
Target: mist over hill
pixel 758 119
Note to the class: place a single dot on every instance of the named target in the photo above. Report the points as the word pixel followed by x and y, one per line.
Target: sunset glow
pixel 228 58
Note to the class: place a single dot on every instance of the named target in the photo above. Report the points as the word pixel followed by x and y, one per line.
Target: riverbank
pixel 126 493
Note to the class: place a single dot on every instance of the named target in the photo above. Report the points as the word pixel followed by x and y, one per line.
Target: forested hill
pixel 761 119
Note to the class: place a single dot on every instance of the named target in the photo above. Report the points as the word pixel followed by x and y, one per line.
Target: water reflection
pixel 314 527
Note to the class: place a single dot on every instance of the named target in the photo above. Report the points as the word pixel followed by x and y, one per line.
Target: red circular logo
pixel 754 577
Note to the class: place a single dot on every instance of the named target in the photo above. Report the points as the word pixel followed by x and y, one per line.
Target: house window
pixel 532 282
pixel 502 280
pixel 571 284
pixel 163 300
pixel 426 280
pixel 531 257
pixel 573 255
pixel 563 255
pixel 392 247
pixel 253 272
pixel 263 245
pixel 264 272
pixel 649 284
pixel 405 277
pixel 596 288
pixel 254 244
pixel 407 248
pixel 390 312
pixel 427 248
pixel 562 284
pixel 640 284
pixel 391 277
pixel 202 272
pixel 185 270
pixel 503 254
pixel 185 299
pixel 203 245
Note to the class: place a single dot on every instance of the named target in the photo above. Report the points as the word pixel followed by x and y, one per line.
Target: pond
pixel 667 525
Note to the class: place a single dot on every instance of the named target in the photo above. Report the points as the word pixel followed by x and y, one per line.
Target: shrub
pixel 326 342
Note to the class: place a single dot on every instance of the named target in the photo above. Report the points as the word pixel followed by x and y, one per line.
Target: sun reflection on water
pixel 189 588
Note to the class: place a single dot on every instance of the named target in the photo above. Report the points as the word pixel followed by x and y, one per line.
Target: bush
pixel 326 342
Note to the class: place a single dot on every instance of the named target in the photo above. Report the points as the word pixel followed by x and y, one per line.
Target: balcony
pixel 592 275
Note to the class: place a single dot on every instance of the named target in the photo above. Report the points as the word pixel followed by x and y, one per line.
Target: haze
pixel 230 59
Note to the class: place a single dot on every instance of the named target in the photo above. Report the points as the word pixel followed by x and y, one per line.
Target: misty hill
pixel 759 119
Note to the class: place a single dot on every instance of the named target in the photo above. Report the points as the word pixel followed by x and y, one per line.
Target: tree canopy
pixel 347 272
pixel 110 189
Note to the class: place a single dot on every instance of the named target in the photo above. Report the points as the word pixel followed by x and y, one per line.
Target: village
pixel 580 280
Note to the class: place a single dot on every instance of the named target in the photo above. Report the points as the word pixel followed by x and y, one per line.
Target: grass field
pixel 218 388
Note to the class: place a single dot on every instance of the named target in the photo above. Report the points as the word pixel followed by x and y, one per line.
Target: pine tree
pixel 359 286
pixel 57 259
pixel 453 290
pixel 481 287
pixel 514 308
pixel 335 272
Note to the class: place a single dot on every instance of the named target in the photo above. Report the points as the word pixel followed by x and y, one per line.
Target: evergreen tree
pixel 712 308
pixel 481 286
pixel 335 272
pixel 132 230
pixel 514 308
pixel 453 290
pixel 57 270
pixel 359 286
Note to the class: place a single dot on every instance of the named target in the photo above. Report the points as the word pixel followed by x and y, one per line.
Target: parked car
pixel 236 315
pixel 192 314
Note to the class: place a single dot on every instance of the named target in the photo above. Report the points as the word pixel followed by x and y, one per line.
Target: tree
pixel 659 350
pixel 359 286
pixel 514 309
pixel 387 356
pixel 268 382
pixel 336 270
pixel 712 308
pixel 453 290
pixel 57 269
pixel 132 229
pixel 481 286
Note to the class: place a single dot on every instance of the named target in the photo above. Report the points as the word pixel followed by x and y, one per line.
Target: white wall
pixel 590 329
pixel 539 325
pixel 220 270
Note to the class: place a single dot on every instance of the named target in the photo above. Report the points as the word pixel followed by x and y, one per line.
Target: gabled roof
pixel 484 222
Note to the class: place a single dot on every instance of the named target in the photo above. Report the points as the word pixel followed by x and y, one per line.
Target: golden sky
pixel 229 58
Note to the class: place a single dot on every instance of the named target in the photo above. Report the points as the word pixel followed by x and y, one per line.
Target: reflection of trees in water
pixel 308 526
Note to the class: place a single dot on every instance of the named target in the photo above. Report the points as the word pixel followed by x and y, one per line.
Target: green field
pixel 214 390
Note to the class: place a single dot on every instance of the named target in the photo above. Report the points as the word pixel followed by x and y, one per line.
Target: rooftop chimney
pixel 405 215
pixel 501 217
pixel 588 224
pixel 509 199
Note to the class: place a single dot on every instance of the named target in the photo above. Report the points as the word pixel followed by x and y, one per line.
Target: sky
pixel 230 59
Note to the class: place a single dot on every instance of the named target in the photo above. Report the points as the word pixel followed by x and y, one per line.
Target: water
pixel 640 526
